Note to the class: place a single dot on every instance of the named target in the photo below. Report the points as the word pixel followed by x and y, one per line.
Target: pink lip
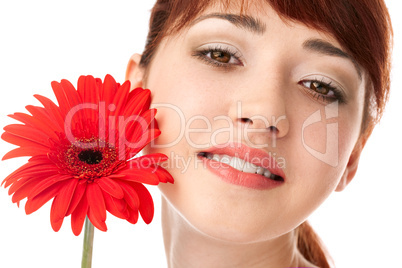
pixel 254 156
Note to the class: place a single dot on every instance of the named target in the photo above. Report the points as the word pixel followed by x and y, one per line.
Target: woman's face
pixel 262 90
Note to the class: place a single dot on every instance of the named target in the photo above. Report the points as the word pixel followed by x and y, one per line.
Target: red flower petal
pixel 25 151
pixel 163 175
pixel 130 195
pixel 138 175
pixel 108 90
pixel 146 203
pixel 71 94
pixel 43 184
pixel 10 138
pixel 75 114
pixel 120 98
pixel 89 93
pixel 133 94
pixel 45 122
pixel 33 163
pixel 101 225
pixel 64 197
pixel 96 202
pixel 146 138
pixel 28 133
pixel 140 125
pixel 117 207
pixel 21 188
pixel 36 123
pixel 77 196
pixel 78 216
pixel 39 200
pixel 55 220
pixel 54 112
pixel 132 216
pixel 91 90
pixel 148 160
pixel 62 98
pixel 111 187
pixel 135 106
pixel 34 174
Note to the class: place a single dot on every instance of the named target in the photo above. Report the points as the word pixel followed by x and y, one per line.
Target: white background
pixel 42 41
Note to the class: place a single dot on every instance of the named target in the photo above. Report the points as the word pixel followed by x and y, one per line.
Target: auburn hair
pixel 362 27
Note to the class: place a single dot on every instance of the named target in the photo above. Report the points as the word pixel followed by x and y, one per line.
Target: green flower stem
pixel 88 245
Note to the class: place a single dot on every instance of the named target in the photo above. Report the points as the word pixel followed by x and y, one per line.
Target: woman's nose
pixel 262 113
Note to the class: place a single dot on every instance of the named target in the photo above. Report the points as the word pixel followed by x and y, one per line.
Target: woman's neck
pixel 187 247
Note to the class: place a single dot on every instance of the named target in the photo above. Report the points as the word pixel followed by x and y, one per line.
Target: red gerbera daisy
pixel 81 153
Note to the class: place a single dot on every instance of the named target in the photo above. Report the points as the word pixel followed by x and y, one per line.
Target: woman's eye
pixel 319 87
pixel 323 91
pixel 219 56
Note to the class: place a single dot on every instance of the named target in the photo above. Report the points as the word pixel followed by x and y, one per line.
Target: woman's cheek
pixel 326 144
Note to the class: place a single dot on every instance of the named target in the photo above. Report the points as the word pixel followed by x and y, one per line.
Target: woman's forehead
pixel 253 12
pixel 240 7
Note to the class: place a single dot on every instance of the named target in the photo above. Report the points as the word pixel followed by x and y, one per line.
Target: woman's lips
pixel 241 165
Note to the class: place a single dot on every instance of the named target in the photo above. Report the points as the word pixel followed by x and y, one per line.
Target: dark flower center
pixel 90 157
pixel 87 158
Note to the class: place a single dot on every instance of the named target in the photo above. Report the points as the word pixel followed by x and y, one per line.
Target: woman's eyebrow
pixel 241 21
pixel 323 47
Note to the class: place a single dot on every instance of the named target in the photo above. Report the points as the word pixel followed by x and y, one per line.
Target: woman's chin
pixel 233 235
pixel 221 225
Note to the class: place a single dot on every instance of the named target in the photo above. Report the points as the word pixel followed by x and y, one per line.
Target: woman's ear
pixel 135 72
pixel 352 165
